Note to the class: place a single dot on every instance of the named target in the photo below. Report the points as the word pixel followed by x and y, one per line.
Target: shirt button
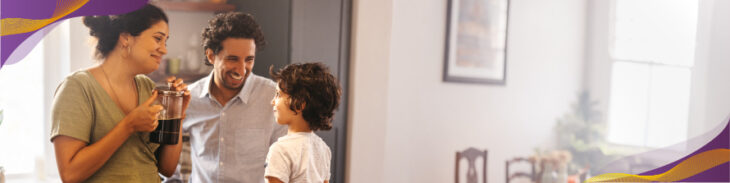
pixel 221 163
pixel 221 139
pixel 223 114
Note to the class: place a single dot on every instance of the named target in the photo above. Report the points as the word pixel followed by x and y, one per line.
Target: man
pixel 230 119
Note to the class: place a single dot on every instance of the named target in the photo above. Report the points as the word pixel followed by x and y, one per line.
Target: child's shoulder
pixel 297 139
pixel 285 146
pixel 290 139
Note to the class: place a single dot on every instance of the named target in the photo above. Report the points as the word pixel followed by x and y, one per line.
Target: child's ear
pixel 302 106
pixel 299 108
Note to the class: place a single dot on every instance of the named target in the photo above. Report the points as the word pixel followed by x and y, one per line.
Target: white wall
pixel 370 57
pixel 426 120
pixel 718 75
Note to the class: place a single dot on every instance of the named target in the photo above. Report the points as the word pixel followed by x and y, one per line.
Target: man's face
pixel 233 63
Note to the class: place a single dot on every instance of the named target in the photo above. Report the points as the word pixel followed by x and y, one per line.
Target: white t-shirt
pixel 299 157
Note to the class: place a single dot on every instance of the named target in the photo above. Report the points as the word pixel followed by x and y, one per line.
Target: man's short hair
pixel 231 25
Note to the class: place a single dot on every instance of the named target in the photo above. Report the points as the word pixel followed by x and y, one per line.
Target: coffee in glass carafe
pixel 170 118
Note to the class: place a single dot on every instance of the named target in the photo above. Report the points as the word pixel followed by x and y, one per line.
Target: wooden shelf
pixel 194 6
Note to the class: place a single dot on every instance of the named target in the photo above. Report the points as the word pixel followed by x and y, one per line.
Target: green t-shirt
pixel 83 110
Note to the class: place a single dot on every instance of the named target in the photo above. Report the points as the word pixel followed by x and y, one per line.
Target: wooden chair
pixel 532 175
pixel 471 154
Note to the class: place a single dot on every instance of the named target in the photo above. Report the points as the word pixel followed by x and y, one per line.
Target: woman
pixel 102 116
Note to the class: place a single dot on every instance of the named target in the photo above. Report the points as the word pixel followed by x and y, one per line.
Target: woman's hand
pixel 78 160
pixel 178 85
pixel 144 117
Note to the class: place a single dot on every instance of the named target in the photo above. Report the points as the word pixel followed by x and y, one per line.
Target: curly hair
pixel 312 89
pixel 106 29
pixel 231 25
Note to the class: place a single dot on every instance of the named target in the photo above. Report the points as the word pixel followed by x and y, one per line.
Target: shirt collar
pixel 244 94
pixel 206 85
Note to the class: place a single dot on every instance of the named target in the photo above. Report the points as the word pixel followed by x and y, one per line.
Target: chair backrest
pixel 532 175
pixel 471 154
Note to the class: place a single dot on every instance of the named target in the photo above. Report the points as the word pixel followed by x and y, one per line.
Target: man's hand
pixel 178 85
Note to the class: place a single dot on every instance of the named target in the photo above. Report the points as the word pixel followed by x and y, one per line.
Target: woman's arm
pixel 77 161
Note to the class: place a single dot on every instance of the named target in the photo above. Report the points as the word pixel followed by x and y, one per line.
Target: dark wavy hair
pixel 107 28
pixel 231 25
pixel 311 87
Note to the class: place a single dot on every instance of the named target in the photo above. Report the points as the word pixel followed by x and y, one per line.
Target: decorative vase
pixel 562 173
pixel 549 174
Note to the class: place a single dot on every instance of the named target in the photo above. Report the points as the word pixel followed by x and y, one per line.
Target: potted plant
pixel 582 132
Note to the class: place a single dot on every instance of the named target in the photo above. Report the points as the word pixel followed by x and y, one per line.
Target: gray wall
pixel 274 18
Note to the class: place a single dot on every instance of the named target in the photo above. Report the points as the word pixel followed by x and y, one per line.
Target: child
pixel 307 95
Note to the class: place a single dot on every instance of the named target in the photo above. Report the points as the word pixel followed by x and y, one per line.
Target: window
pixel 26 152
pixel 21 99
pixel 653 48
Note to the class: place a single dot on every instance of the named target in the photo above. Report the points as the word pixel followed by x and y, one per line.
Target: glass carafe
pixel 170 118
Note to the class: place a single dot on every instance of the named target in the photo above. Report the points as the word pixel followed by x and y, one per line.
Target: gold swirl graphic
pixel 11 26
pixel 687 168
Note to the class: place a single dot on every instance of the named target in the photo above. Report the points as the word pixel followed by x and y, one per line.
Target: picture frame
pixel 476 41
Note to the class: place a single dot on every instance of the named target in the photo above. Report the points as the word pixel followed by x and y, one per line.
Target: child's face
pixel 282 112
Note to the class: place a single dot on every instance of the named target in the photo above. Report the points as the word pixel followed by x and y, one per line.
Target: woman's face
pixel 147 49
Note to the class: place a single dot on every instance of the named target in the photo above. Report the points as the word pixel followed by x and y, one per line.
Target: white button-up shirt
pixel 246 123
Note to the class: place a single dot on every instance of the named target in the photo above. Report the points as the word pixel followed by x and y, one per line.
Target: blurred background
pixel 586 83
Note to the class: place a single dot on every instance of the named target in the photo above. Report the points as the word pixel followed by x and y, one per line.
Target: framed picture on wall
pixel 476 41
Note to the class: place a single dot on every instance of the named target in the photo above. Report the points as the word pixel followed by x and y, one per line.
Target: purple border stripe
pixel 718 173
pixel 41 9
